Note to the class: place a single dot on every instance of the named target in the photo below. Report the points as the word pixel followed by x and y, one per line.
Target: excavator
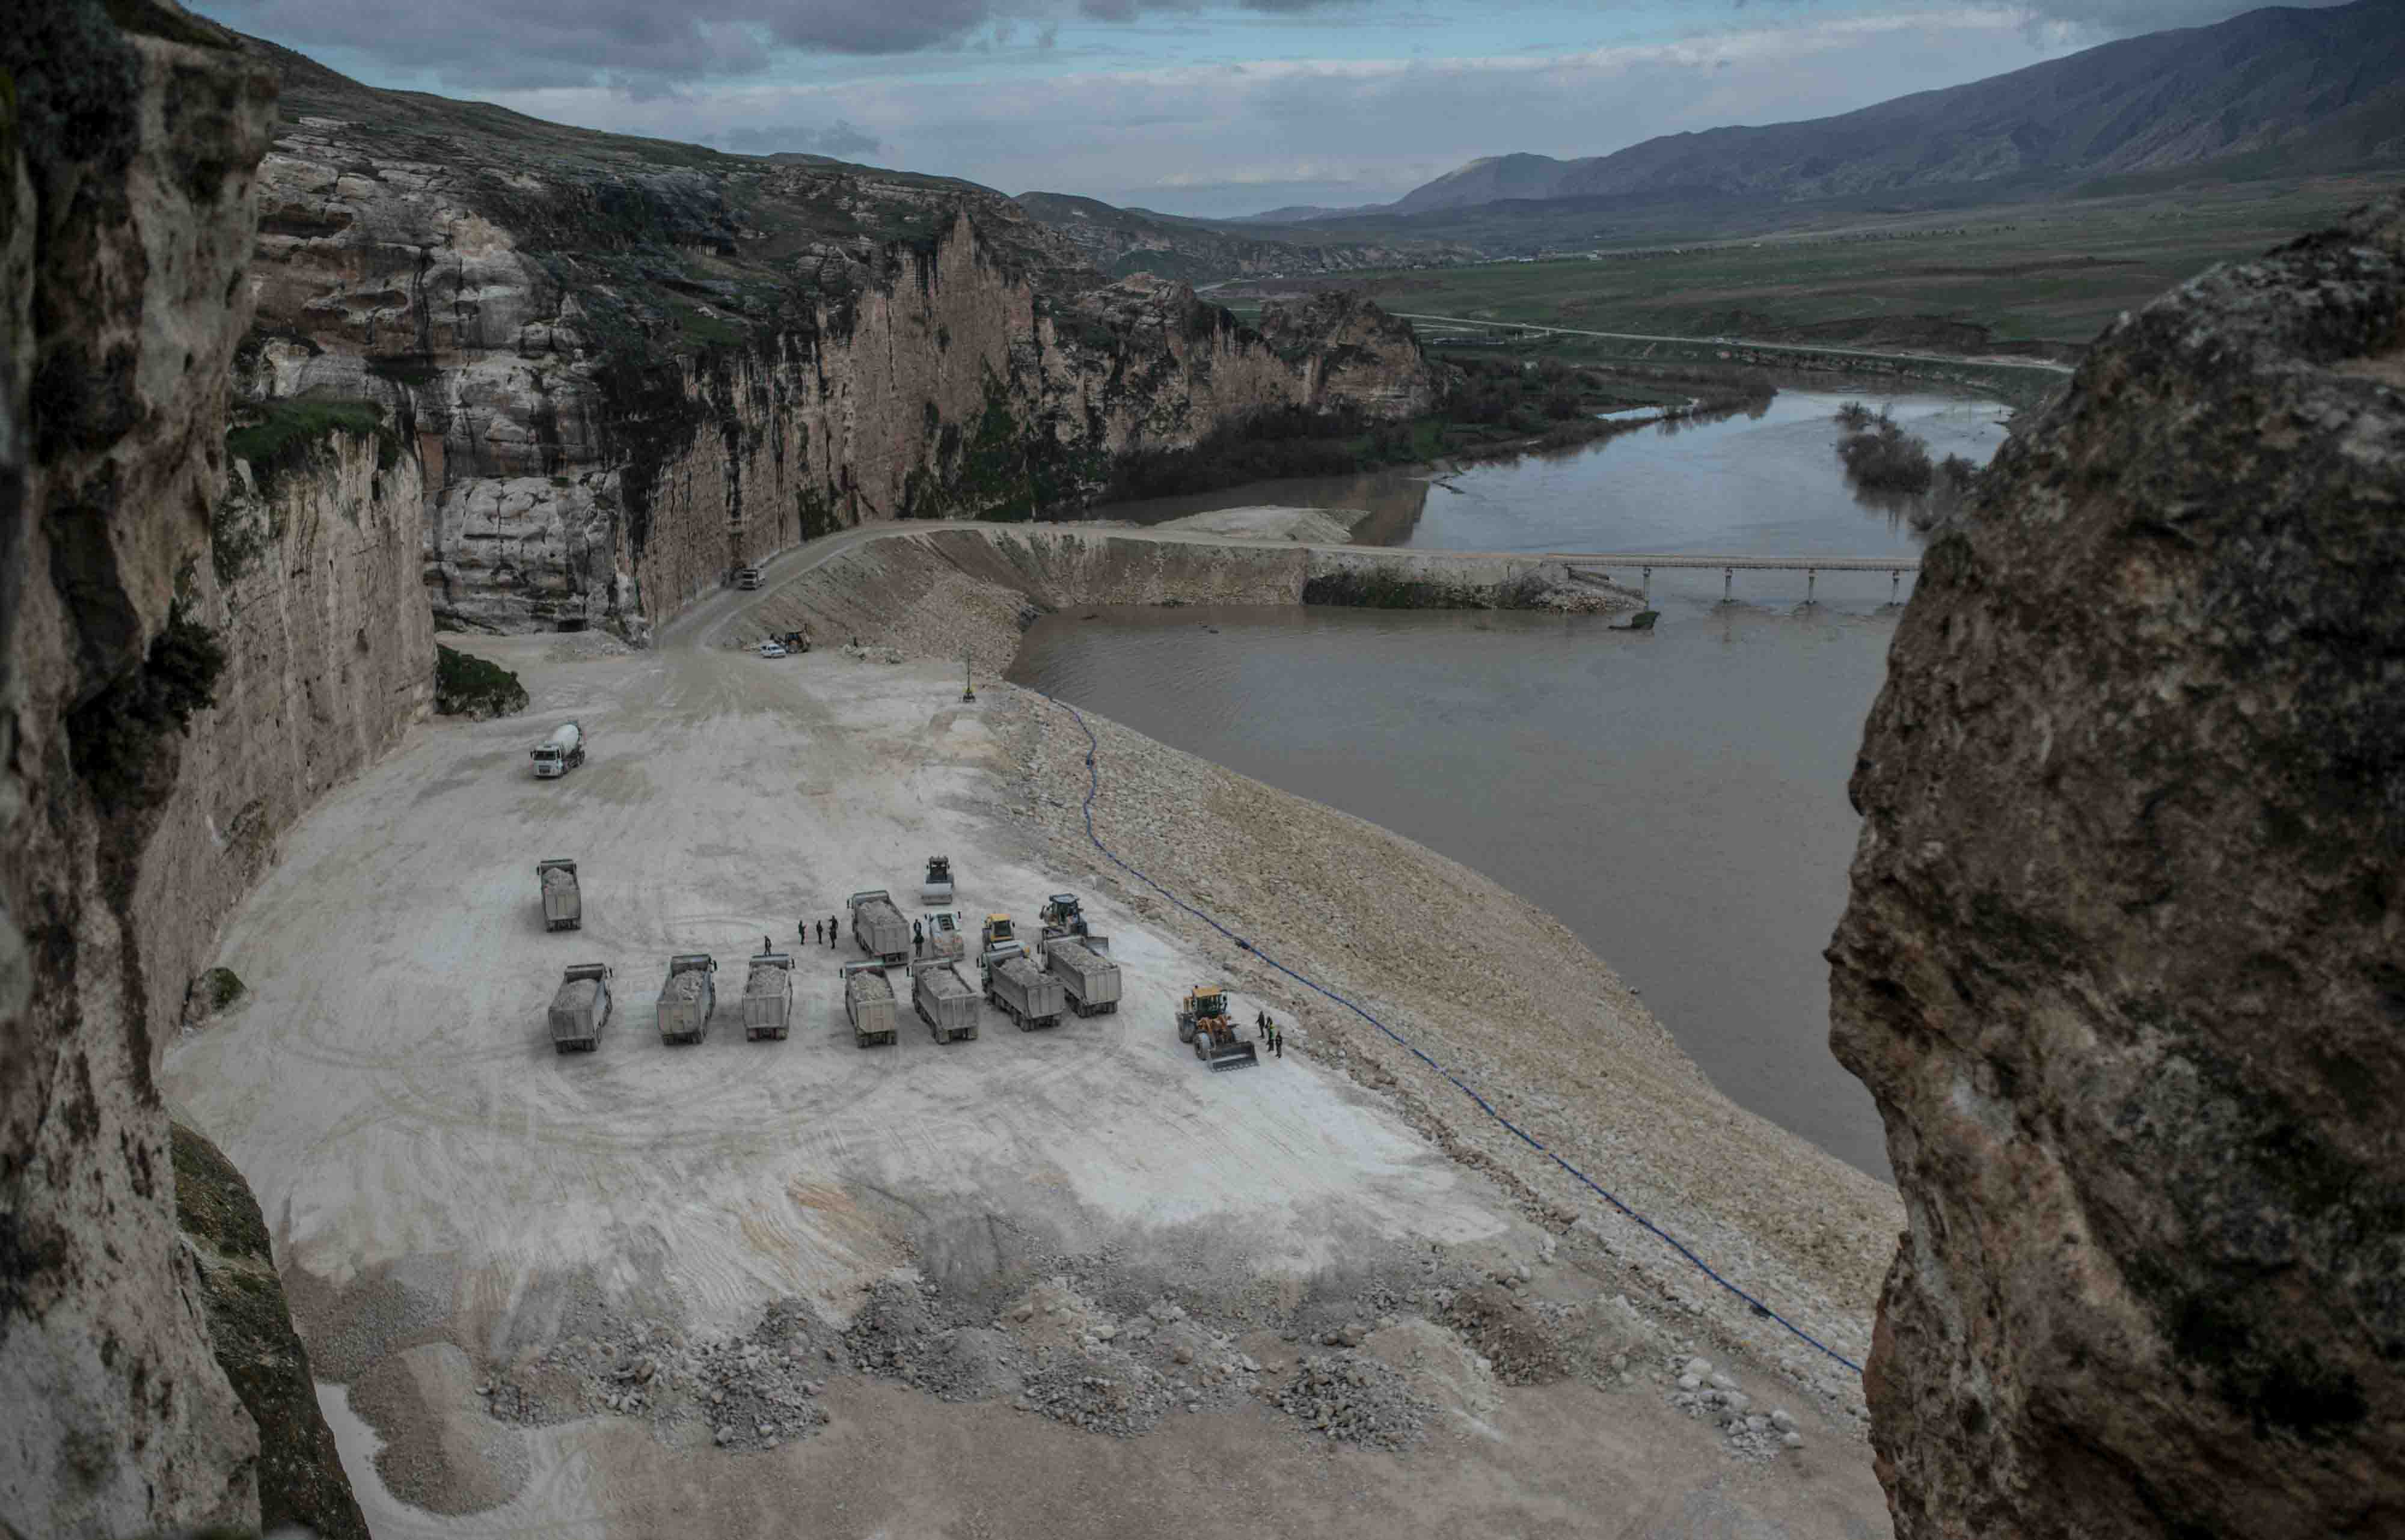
pixel 1203 1021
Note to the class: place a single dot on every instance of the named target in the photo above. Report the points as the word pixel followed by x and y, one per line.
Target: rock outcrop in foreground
pixel 2124 964
pixel 164 710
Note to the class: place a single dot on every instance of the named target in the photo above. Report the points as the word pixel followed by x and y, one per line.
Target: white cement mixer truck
pixel 559 753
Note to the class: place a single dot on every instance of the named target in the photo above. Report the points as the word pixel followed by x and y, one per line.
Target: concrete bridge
pixel 1603 563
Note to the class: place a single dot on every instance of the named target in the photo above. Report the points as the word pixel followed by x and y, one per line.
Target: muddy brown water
pixel 1677 798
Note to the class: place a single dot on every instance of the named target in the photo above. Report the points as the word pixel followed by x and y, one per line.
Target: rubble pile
pixel 1358 1400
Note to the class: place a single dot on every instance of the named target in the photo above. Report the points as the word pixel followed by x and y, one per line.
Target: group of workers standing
pixel 1267 1025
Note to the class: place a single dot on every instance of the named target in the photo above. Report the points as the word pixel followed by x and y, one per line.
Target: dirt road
pixel 467 1219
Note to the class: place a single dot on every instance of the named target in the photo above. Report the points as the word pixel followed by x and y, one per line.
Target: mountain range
pixel 2280 91
pixel 2291 87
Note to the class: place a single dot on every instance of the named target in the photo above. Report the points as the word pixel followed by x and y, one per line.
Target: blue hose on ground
pixel 1094 785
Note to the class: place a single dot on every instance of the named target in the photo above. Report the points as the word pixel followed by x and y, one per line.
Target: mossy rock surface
pixel 468 686
pixel 279 436
pixel 301 1479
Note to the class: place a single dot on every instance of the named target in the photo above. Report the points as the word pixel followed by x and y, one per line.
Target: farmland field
pixel 2018 276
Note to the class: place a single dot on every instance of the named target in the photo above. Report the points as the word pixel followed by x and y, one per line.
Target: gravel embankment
pixel 1507 999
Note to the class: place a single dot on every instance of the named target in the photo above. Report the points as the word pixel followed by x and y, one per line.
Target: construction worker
pixel 830 930
pixel 1277 1041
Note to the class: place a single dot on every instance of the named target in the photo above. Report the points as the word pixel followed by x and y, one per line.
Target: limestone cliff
pixel 126 163
pixel 157 726
pixel 312 586
pixel 631 366
pixel 2125 959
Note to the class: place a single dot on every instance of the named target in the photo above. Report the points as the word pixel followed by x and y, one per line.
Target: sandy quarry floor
pixel 1082 1274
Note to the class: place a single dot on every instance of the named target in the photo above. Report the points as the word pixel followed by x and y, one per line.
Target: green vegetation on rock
pixel 466 685
pixel 115 737
pixel 280 435
pixel 217 988
pixel 301 1479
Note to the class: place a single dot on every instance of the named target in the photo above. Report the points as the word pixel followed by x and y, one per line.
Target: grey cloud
pixel 843 140
pixel 523 45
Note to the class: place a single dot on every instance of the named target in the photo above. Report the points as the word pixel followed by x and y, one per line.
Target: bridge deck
pixel 1745 564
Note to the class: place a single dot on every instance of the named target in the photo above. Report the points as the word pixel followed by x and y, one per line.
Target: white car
pixel 772 649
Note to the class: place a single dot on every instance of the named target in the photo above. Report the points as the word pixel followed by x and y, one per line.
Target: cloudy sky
pixel 1195 106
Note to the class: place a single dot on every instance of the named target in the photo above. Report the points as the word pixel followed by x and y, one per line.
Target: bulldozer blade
pixel 1243 1055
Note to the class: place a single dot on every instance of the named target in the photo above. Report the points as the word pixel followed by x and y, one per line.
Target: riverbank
pixel 972 588
pixel 657 1287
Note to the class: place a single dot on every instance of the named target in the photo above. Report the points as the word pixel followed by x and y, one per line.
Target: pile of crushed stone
pixel 1054 1351
pixel 683 988
pixel 753 1391
pixel 1355 1399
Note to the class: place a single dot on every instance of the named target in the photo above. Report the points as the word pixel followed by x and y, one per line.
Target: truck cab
pixel 748 577
pixel 997 931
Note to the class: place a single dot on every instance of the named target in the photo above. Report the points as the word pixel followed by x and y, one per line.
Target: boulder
pixel 2123 962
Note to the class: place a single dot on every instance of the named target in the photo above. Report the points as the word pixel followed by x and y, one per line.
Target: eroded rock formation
pixel 118 250
pixel 2124 964
pixel 157 728
pixel 632 365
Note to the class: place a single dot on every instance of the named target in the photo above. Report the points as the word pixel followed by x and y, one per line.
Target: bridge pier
pixel 1894 585
pixel 1811 580
pixel 1728 585
pixel 1645 592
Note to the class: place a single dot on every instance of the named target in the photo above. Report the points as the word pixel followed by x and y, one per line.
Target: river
pixel 1677 798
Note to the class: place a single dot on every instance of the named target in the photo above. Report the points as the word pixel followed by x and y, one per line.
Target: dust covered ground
pixel 1066 1283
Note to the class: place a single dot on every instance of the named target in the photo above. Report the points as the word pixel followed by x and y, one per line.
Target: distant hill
pixel 1120 240
pixel 2274 91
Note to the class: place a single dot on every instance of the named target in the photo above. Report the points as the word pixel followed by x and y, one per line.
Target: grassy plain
pixel 2040 272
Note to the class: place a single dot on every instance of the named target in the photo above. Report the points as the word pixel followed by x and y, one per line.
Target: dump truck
pixel 946 941
pixel 944 1001
pixel 688 997
pixel 559 753
pixel 1021 991
pixel 581 1008
pixel 1084 966
pixel 1062 915
pixel 1204 1022
pixel 937 889
pixel 868 1003
pixel 878 929
pixel 563 902
pixel 769 997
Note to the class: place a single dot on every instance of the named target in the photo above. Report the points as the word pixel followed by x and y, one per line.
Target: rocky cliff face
pixel 313 587
pixel 631 366
pixel 2124 964
pixel 157 726
pixel 125 221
